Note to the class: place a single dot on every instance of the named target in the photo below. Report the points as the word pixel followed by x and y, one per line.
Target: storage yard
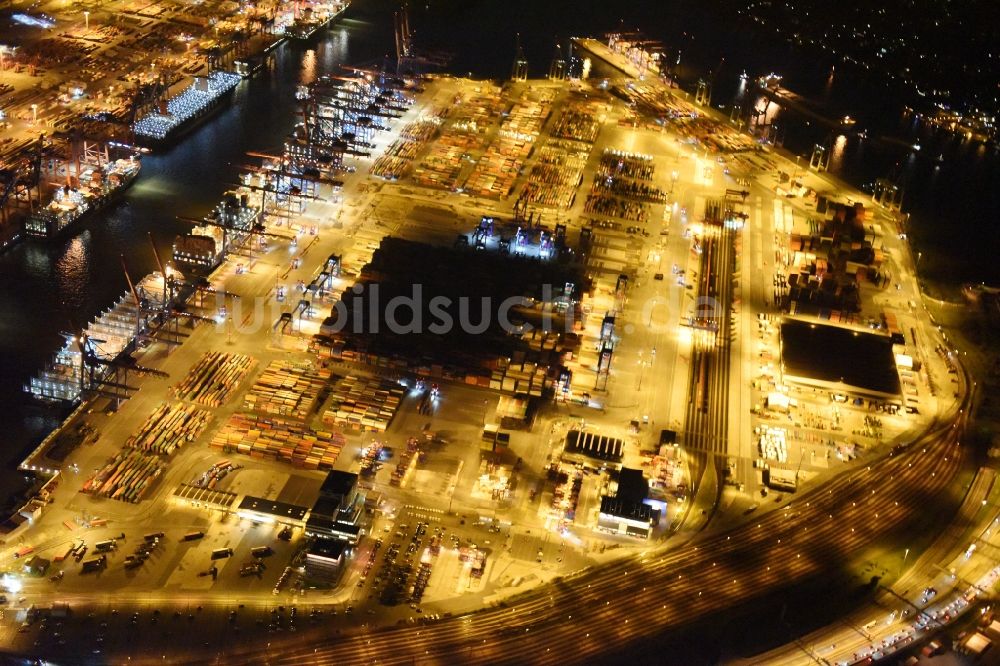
pixel 284 441
pixel 168 428
pixel 286 389
pixel 125 477
pixel 365 403
pixel 212 381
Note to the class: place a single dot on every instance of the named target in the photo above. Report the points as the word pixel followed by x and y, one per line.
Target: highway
pixel 904 613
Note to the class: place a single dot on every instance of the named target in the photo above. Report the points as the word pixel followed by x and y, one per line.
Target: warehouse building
pixel 627 511
pixel 840 360
pixel 338 512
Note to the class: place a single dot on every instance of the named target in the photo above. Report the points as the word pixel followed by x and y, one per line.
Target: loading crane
pixel 237 219
pixel 106 376
pixel 347 108
pixel 704 94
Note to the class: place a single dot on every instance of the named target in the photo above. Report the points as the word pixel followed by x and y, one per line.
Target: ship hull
pixel 53 232
pixel 188 126
pixel 306 33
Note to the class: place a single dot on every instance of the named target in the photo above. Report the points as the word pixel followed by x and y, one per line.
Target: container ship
pixel 99 187
pixel 311 20
pixel 183 111
pixel 227 226
pixel 112 334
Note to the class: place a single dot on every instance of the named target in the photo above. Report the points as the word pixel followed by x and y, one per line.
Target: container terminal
pixel 55 167
pixel 299 453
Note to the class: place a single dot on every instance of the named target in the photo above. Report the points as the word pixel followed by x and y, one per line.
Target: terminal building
pixel 262 510
pixel 627 512
pixel 334 522
pixel 325 557
pixel 335 525
pixel 338 511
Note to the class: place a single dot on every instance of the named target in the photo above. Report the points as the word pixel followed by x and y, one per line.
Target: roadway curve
pixel 604 611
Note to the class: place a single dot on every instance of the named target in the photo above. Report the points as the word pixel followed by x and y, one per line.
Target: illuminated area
pixel 188 104
pixel 459 370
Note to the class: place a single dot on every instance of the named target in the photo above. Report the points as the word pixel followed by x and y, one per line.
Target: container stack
pixel 580 120
pixel 555 177
pixel 399 156
pixel 442 166
pixel 364 403
pixel 471 121
pixel 213 379
pixel 520 377
pixel 286 389
pixel 266 437
pixel 168 428
pixel 496 171
pixel 406 459
pixel 125 477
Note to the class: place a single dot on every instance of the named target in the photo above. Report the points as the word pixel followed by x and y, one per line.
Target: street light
pixel 86 20
pixel 34 114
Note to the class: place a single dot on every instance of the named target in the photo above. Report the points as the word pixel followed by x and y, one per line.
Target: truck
pixel 58 610
pixel 94 564
pixel 193 536
pixel 260 551
pixel 105 546
pixel 63 554
pixel 221 553
pixel 153 536
pixel 251 568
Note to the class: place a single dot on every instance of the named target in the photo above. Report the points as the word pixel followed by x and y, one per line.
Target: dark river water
pixel 44 289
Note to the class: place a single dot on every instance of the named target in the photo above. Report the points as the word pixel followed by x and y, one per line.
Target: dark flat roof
pixel 833 354
pixel 270 507
pixel 331 548
pixel 632 487
pixel 338 483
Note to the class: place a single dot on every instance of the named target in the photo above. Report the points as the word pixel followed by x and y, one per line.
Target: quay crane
pixel 286 178
pixel 409 59
pixel 22 176
pixel 234 223
pixel 347 108
pixel 103 375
